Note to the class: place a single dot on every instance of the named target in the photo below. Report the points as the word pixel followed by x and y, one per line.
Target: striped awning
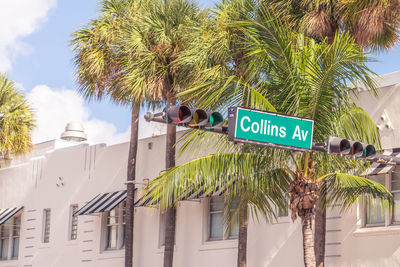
pixel 102 202
pixel 379 168
pixel 192 195
pixel 6 214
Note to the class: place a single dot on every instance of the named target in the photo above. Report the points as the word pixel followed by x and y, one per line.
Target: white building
pixel 40 192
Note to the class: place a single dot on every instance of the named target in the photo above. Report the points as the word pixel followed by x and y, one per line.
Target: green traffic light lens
pixel 216 118
pixel 369 151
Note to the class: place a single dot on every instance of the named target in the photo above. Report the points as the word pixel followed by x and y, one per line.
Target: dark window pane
pixel 15 247
pixel 112 233
pixel 374 212
pixel 113 216
pixel 216 226
pixel 4 248
pixel 396 207
pixel 123 235
pixel 217 203
pixel 234 231
pixel 395 181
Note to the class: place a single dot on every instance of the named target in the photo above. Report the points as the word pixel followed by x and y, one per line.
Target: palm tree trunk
pixel 320 230
pixel 320 213
pixel 308 243
pixel 169 237
pixel 130 196
pixel 170 212
pixel 242 242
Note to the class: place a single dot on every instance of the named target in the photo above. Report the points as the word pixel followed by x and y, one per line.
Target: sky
pixel 35 53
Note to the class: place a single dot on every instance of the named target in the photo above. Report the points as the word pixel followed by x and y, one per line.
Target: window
pixel 163 218
pixel 46 225
pixel 9 238
pixel 374 213
pixel 216 229
pixel 15 236
pixel 283 211
pixel 73 223
pixel 395 189
pixel 115 227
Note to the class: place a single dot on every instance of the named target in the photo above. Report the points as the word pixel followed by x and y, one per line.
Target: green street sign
pixel 270 129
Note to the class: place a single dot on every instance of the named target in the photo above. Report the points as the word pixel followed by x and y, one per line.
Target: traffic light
pixel 344 147
pixel 337 145
pixel 192 117
pixel 178 114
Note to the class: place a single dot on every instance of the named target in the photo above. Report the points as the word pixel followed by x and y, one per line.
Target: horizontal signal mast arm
pixel 161 117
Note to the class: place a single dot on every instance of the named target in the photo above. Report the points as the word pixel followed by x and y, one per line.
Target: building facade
pixel 63 205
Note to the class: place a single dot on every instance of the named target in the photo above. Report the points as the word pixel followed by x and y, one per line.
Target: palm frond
pixel 246 176
pixel 373 24
pixel 356 124
pixel 16 120
pixel 346 189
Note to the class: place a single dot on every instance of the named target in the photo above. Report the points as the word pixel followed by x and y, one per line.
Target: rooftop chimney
pixel 74 132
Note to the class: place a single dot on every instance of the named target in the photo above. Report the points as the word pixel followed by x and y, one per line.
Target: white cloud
pixel 55 108
pixel 19 18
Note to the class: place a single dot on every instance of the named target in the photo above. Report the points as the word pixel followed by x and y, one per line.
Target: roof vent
pixel 74 132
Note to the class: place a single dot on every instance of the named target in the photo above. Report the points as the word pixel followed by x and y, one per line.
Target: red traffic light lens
pixel 184 114
pixel 180 115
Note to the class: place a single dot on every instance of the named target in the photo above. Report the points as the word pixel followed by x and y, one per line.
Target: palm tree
pixel 323 90
pixel 99 59
pixel 373 24
pixel 220 64
pixel 155 40
pixel 300 77
pixel 16 120
pixel 131 54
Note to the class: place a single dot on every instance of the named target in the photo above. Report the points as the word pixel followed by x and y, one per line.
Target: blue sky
pixel 35 53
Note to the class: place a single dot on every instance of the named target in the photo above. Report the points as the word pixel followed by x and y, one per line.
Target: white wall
pixel 86 171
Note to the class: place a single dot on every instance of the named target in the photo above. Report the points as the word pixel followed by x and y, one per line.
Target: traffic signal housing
pixel 180 114
pixel 345 147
